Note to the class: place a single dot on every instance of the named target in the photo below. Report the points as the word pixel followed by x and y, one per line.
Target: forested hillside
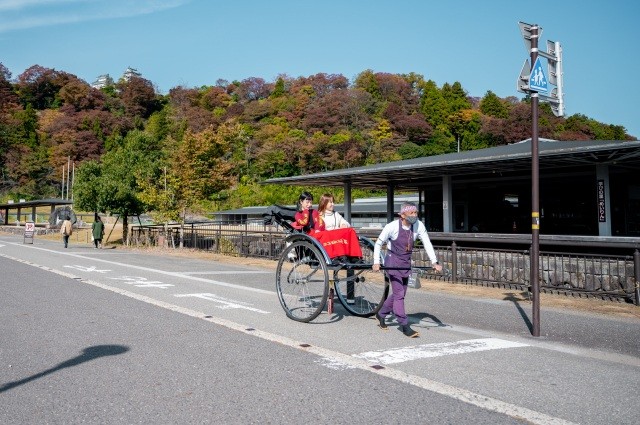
pixel 207 148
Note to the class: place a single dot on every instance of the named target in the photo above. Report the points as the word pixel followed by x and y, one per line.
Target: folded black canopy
pixel 278 214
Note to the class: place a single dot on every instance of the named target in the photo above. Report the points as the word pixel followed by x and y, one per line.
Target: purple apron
pixel 399 254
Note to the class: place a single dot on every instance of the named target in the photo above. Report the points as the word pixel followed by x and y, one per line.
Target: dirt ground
pixel 560 301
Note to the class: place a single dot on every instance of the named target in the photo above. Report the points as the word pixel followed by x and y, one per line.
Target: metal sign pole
pixel 535 196
pixel 533 81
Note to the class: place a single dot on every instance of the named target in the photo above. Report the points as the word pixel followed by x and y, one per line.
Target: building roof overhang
pixel 411 174
pixel 36 203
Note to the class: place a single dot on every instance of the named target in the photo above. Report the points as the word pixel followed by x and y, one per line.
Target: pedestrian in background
pixel 400 235
pixel 66 229
pixel 97 232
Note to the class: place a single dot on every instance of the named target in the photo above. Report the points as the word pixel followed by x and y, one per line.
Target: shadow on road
pixel 421 316
pixel 88 354
pixel 516 301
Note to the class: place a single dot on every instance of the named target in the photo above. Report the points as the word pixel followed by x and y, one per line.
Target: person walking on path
pixel 66 229
pixel 97 232
pixel 400 235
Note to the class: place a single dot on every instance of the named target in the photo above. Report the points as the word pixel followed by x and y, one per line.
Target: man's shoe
pixel 406 329
pixel 381 324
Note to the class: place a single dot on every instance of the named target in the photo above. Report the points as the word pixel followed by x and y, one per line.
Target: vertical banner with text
pixel 602 205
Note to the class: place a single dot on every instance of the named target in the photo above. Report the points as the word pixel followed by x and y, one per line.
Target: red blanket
pixel 339 242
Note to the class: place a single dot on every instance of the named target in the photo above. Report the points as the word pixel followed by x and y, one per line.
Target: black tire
pixel 361 291
pixel 302 281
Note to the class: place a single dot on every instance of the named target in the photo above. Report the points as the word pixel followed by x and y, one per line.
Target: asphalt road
pixel 116 336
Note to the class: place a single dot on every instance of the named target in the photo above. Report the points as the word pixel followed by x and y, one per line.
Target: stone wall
pixel 592 274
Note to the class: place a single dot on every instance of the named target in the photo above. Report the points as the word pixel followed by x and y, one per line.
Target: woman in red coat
pixel 307 219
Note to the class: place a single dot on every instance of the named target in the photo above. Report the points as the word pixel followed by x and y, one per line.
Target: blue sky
pixel 196 42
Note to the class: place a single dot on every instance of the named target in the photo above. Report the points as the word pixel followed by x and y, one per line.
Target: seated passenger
pixel 306 218
pixel 338 243
pixel 332 219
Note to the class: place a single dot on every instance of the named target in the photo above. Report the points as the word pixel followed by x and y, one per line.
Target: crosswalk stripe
pixel 404 354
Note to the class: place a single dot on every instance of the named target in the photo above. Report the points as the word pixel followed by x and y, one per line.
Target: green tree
pixel 194 172
pixel 368 82
pixel 31 170
pixel 493 106
pixel 279 89
pixel 26 132
pixel 112 185
pixel 158 124
pixel 87 187
pixel 455 97
pixel 433 105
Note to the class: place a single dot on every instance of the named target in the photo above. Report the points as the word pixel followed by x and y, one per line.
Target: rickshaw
pixel 307 279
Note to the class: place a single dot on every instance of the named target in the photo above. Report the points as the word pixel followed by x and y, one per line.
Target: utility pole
pixel 68 173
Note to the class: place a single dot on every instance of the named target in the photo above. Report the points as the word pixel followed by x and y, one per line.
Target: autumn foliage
pixel 211 146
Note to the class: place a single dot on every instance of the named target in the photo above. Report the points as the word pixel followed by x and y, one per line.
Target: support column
pixel 604 200
pixel 447 204
pixel 390 202
pixel 347 201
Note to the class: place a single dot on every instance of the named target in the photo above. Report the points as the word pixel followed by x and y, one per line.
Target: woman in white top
pixel 332 219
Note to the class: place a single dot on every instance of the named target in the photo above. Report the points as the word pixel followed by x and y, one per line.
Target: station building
pixel 587 188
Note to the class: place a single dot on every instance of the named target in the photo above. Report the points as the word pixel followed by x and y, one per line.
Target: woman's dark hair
pixel 302 197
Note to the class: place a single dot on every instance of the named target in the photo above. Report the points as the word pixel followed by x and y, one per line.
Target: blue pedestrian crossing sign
pixel 538 79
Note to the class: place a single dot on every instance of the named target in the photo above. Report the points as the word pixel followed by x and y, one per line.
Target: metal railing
pixel 242 240
pixel 613 277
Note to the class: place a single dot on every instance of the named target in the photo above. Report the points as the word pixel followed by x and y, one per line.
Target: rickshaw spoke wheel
pixel 361 291
pixel 302 281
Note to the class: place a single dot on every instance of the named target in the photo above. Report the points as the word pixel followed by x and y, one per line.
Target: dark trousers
pixel 65 239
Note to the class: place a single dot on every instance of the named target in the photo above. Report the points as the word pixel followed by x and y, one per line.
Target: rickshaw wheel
pixel 361 291
pixel 302 281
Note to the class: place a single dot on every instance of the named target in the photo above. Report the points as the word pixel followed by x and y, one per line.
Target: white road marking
pixel 142 282
pixel 334 364
pixel 399 355
pixel 460 394
pixel 226 303
pixel 148 269
pixel 87 269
